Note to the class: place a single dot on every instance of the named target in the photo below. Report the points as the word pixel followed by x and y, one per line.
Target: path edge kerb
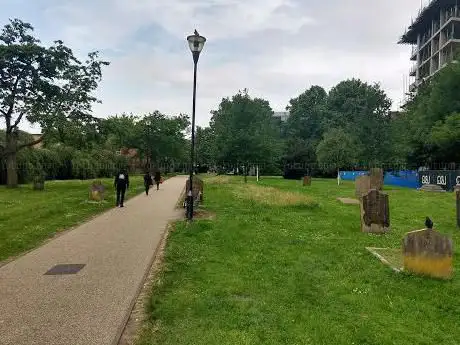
pixel 122 327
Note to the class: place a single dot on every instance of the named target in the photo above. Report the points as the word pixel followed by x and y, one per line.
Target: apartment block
pixel 435 39
pixel 282 115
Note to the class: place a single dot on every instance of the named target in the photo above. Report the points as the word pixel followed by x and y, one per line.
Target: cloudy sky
pixel 275 48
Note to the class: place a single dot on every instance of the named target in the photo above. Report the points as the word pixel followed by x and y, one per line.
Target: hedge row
pixel 64 163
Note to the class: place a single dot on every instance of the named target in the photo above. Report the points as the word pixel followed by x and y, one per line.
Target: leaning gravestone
pixel 362 184
pixel 96 191
pixel 376 178
pixel 427 252
pixel 375 212
pixel 307 180
pixel 432 188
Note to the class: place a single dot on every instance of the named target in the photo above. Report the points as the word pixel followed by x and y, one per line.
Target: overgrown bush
pixel 64 163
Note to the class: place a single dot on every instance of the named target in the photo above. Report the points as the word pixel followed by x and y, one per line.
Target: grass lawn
pixel 286 264
pixel 29 217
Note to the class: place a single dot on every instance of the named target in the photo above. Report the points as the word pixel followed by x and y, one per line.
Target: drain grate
pixel 65 269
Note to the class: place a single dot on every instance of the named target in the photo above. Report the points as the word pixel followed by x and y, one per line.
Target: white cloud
pixel 276 48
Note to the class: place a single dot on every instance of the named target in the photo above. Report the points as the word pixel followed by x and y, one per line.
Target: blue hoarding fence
pixel 402 178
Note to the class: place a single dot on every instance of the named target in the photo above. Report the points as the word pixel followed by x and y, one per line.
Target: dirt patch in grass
pixel 203 214
pixel 348 201
pixel 272 196
pixel 219 179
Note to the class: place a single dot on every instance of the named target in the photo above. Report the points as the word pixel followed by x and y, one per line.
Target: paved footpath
pixel 93 305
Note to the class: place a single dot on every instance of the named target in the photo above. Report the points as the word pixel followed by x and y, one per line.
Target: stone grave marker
pixel 307 180
pixel 197 189
pixel 376 178
pixel 97 191
pixel 427 252
pixel 375 212
pixel 362 185
pixel 39 182
pixel 432 188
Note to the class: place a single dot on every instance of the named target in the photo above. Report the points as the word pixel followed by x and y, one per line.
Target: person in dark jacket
pixel 158 179
pixel 148 181
pixel 121 183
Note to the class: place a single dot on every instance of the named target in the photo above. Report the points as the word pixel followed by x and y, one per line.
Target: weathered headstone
pixel 197 189
pixel 457 197
pixel 376 178
pixel 432 188
pixel 96 191
pixel 307 180
pixel 375 212
pixel 39 182
pixel 427 252
pixel 363 185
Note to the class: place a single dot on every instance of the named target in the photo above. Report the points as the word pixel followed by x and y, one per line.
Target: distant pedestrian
pixel 121 183
pixel 148 181
pixel 158 179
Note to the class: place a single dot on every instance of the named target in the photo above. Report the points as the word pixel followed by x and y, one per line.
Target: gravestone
pixel 307 180
pixel 197 190
pixel 96 191
pixel 375 212
pixel 39 182
pixel 376 178
pixel 457 196
pixel 427 252
pixel 363 185
pixel 432 188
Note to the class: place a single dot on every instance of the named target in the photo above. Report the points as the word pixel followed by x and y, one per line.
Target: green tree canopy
pixel 244 130
pixel 48 86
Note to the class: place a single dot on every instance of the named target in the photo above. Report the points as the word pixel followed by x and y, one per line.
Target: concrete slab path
pixel 93 305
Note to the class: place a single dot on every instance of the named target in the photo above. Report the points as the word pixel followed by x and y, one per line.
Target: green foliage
pixel 244 130
pixel 304 127
pixel 204 141
pixel 161 138
pixel 362 110
pixel 337 150
pixel 431 121
pixel 47 86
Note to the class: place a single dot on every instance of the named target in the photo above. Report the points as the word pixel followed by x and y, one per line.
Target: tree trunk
pixel 11 161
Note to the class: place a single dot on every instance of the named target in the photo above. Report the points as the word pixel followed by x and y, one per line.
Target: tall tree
pixel 244 131
pixel 161 138
pixel 431 117
pixel 204 145
pixel 337 150
pixel 45 85
pixel 362 110
pixel 304 125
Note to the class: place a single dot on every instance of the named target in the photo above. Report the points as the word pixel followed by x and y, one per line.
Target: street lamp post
pixel 196 43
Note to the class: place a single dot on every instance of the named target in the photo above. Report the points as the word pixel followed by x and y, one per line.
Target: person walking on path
pixel 148 181
pixel 158 179
pixel 121 183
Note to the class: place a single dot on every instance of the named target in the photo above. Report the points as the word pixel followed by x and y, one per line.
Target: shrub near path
pixel 28 217
pixel 273 273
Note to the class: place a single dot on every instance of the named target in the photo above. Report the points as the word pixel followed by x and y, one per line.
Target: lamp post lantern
pixel 196 43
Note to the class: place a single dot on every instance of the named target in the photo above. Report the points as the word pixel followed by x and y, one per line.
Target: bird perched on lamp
pixel 196 33
pixel 428 223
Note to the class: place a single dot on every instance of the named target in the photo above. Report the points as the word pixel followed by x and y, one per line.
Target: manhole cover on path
pixel 65 269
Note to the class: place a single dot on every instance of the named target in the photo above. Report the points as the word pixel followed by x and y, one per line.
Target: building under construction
pixel 435 39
